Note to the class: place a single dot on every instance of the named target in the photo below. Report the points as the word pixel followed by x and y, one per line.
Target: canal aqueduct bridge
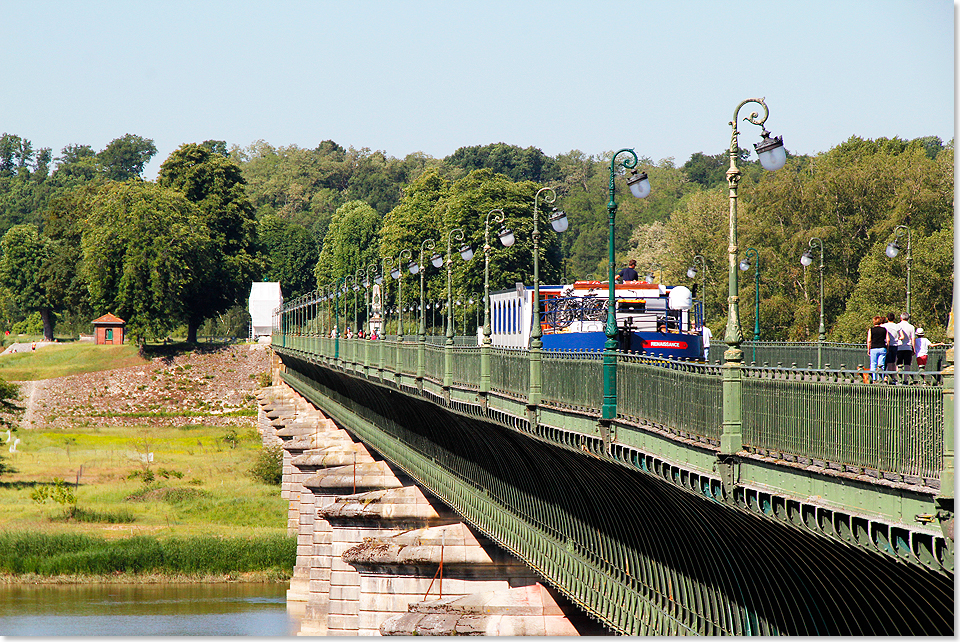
pixel 808 502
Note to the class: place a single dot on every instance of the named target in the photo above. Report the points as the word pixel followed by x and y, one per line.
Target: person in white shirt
pixel 921 346
pixel 907 336
pixel 893 330
pixel 707 335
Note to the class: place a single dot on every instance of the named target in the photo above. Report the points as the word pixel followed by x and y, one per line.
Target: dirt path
pixel 29 390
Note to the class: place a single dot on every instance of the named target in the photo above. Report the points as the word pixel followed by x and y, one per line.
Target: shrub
pixel 59 493
pixel 67 554
pixel 121 516
pixel 268 467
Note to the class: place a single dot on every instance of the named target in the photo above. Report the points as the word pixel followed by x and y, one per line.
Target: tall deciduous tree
pixel 24 271
pixel 215 184
pixel 291 254
pixel 145 249
pixel 351 242
pixel 123 158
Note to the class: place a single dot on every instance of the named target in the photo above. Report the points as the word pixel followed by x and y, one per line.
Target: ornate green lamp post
pixel 368 281
pixel 558 220
pixel 346 289
pixel 336 314
pixel 893 248
pixel 356 289
pixel 772 156
pixel 806 260
pixel 420 268
pixel 692 273
pixel 640 188
pixel 466 253
pixel 507 239
pixel 381 279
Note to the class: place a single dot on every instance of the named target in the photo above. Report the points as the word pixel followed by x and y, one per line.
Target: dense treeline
pixel 84 234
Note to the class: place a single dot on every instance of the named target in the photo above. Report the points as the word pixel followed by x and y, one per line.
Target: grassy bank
pixel 66 554
pixel 142 479
pixel 139 494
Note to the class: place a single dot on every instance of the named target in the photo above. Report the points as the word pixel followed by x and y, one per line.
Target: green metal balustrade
pixel 835 355
pixel 466 367
pixel 834 417
pixel 679 396
pixel 509 372
pixel 573 380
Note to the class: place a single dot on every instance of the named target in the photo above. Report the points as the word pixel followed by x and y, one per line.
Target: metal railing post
pixel 944 501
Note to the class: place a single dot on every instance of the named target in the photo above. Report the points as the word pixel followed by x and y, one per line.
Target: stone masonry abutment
pixel 377 555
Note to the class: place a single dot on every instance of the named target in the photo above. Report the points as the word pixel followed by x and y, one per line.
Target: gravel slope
pixel 208 380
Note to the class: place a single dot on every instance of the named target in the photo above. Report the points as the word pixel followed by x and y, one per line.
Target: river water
pixel 152 609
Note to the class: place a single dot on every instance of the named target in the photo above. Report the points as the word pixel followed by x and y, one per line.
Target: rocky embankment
pixel 203 386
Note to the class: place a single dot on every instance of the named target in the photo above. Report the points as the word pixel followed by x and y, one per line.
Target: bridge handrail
pixel 831 417
pixel 836 419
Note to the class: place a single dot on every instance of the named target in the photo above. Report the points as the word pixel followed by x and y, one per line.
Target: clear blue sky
pixel 661 76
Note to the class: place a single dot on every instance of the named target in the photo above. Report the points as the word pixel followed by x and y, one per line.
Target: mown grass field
pixel 201 482
pixel 169 484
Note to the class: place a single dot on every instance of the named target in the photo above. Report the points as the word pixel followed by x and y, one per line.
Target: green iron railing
pixel 433 362
pixel 466 367
pixel 408 357
pixel 573 380
pixel 681 396
pixel 831 417
pixel 509 372
pixel 835 417
pixel 847 356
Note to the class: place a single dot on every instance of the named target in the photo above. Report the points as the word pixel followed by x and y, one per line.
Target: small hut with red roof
pixel 108 330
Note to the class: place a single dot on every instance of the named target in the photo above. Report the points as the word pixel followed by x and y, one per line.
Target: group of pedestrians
pixel 894 345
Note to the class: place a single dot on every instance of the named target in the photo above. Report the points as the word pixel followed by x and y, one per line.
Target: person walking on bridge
pixel 877 339
pixel 921 346
pixel 707 335
pixel 893 342
pixel 907 337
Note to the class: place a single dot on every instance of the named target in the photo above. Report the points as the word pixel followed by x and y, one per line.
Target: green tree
pixel 215 183
pixel 432 207
pixel 514 162
pixel 123 158
pixel 291 254
pixel 27 270
pixel 351 242
pixel 145 253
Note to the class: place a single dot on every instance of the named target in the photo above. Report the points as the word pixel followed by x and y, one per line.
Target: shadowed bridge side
pixel 634 526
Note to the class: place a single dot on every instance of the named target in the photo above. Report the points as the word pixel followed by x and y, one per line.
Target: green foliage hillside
pixel 307 217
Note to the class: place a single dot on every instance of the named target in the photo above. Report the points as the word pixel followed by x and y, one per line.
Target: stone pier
pixel 376 555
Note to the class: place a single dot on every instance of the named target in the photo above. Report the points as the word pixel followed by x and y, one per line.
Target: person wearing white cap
pixel 920 347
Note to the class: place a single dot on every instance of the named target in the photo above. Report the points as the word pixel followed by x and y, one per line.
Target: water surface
pixel 153 609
